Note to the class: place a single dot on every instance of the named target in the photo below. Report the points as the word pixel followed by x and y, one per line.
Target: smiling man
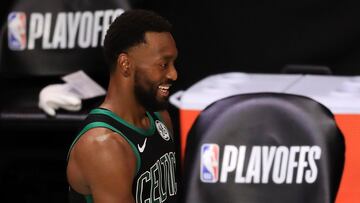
pixel 125 151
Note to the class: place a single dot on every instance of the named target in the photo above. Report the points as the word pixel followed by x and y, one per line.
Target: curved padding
pixel 54 38
pixel 264 147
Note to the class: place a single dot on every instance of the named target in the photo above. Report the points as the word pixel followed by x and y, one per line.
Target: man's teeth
pixel 164 87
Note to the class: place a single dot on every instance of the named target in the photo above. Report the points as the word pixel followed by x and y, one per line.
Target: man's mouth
pixel 164 90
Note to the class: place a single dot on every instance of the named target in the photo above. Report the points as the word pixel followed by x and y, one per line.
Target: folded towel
pixel 55 96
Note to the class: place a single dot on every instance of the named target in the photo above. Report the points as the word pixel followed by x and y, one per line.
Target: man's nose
pixel 172 73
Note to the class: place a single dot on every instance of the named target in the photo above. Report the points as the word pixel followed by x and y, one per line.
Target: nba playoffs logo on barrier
pixel 62 30
pixel 209 169
pixel 17 31
pixel 259 164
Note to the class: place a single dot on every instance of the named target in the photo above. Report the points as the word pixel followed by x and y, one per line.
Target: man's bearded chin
pixel 147 98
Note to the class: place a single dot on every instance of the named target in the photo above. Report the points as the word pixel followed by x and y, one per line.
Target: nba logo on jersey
pixel 17 31
pixel 209 168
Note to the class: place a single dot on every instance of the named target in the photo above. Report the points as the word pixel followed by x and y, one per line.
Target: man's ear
pixel 123 64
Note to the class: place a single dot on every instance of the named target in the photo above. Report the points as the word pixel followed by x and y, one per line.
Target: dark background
pixel 212 37
pixel 264 36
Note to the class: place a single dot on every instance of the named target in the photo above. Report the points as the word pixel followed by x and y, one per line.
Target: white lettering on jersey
pixel 160 178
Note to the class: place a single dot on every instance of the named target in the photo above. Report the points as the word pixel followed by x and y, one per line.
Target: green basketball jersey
pixel 154 149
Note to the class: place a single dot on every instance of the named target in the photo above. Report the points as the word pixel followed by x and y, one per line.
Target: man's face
pixel 154 70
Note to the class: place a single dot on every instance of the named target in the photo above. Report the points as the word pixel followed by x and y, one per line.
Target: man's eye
pixel 164 65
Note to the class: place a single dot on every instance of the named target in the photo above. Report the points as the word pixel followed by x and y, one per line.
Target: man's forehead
pixel 158 38
pixel 162 42
pixel 156 43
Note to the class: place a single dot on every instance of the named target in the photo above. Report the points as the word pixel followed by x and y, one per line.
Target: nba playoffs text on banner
pixel 63 30
pixel 259 164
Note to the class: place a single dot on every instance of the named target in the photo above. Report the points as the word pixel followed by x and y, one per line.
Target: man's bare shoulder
pixel 99 138
pixel 99 143
pixel 100 151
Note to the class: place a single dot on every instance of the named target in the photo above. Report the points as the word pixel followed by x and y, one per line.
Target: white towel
pixel 55 96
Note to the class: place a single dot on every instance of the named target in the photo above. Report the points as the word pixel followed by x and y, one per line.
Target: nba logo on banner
pixel 209 168
pixel 17 31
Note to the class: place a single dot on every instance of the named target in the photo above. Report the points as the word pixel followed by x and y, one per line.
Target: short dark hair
pixel 129 30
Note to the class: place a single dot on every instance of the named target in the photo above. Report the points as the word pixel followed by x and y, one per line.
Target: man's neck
pixel 127 109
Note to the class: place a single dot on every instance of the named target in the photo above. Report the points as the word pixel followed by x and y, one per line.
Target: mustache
pixel 167 82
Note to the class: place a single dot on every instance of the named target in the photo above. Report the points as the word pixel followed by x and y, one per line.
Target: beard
pixel 146 94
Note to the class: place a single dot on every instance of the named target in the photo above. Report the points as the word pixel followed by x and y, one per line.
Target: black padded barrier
pixel 264 147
